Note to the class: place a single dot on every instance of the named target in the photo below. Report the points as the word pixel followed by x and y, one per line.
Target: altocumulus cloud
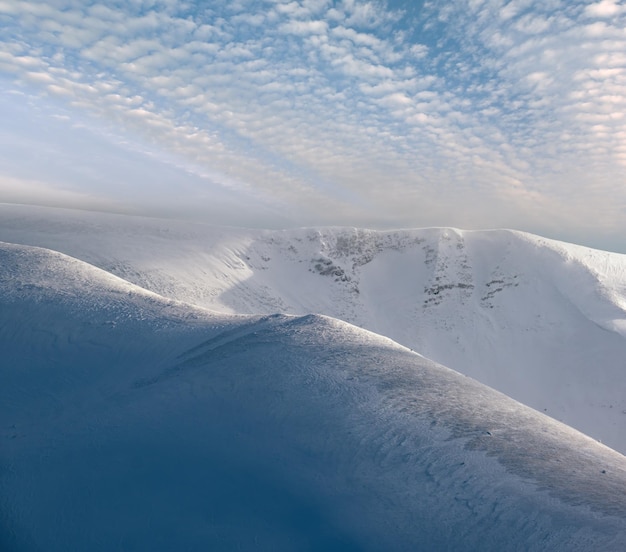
pixel 472 113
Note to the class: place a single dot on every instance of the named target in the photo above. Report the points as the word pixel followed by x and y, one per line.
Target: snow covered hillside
pixel 134 422
pixel 540 320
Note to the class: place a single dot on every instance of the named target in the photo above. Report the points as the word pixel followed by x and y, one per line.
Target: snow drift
pixel 542 321
pixel 135 422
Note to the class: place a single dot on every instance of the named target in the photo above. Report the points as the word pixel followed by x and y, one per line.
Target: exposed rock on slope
pixel 539 320
pixel 134 422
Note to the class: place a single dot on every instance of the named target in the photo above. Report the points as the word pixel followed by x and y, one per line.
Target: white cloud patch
pixel 605 9
pixel 305 27
pixel 487 112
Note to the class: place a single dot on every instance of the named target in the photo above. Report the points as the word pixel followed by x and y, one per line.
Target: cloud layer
pixel 471 113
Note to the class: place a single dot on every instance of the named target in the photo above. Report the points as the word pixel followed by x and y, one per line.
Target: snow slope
pixel 134 422
pixel 540 320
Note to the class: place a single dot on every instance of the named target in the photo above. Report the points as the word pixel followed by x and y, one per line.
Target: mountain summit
pixel 136 422
pixel 540 320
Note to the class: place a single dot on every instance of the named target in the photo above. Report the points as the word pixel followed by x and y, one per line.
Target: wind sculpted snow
pixel 542 321
pixel 134 422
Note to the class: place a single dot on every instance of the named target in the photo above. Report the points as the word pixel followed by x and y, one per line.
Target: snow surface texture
pixel 542 321
pixel 134 422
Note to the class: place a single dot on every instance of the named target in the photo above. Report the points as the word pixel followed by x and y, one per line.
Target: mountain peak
pixel 540 320
pixel 174 427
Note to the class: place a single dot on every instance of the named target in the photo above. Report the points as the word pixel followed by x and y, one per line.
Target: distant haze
pixel 470 114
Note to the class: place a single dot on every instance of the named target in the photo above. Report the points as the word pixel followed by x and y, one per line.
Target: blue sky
pixel 466 113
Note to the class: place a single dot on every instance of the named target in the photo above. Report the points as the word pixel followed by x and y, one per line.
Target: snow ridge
pixel 540 320
pixel 135 422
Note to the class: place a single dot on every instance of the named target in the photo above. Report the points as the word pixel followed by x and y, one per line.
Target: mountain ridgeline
pixel 131 421
pixel 540 320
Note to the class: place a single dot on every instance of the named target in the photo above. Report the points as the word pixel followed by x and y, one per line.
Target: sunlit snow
pixel 540 320
pixel 134 422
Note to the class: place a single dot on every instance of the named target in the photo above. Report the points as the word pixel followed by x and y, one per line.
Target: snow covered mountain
pixel 135 422
pixel 542 321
